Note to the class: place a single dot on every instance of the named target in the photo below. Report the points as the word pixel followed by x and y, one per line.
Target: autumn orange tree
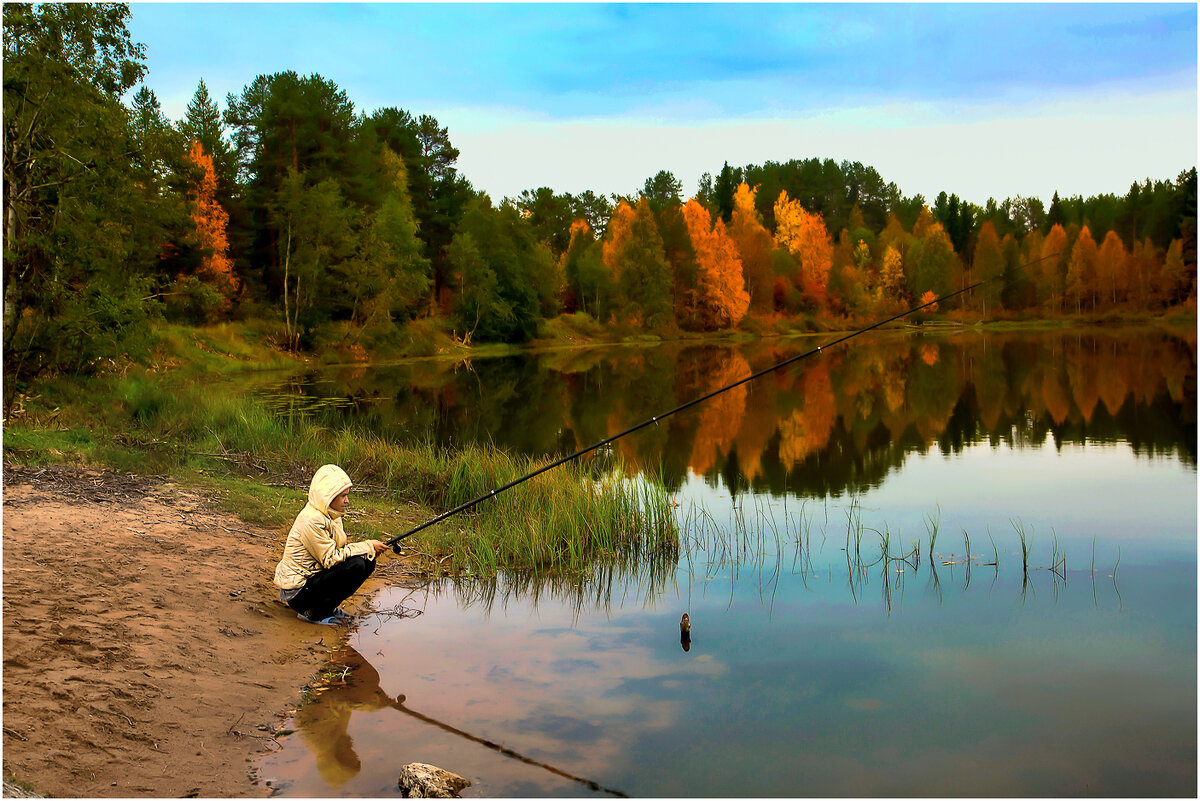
pixel 1051 269
pixel 216 268
pixel 723 299
pixel 754 244
pixel 617 234
pixel 804 235
pixel 1081 270
pixel 1111 266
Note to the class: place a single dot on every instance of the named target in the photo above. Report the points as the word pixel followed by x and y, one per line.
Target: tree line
pixel 289 204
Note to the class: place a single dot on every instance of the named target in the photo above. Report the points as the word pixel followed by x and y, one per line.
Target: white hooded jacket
pixel 317 539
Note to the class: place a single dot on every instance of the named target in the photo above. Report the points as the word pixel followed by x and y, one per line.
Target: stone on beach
pixel 419 780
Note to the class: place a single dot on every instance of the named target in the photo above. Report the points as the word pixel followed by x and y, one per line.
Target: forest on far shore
pixel 343 227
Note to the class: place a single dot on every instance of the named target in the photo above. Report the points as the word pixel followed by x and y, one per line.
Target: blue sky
pixel 985 100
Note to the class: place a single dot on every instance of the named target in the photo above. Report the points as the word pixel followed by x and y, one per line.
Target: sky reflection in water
pixel 813 671
pixel 1064 689
pixel 799 682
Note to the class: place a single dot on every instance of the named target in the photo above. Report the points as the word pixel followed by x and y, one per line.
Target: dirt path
pixel 145 650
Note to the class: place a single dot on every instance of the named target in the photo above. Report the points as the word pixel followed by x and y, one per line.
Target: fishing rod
pixel 394 541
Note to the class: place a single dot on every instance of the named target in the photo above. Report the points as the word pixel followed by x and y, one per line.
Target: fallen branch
pixel 248 533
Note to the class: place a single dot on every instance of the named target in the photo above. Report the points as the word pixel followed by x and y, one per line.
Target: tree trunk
pixel 287 262
pixel 296 318
pixel 10 306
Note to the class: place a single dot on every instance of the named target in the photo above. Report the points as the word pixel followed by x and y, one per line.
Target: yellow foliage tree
pixel 894 235
pixel 805 236
pixel 1050 271
pixel 926 224
pixel 754 245
pixel 620 227
pixel 891 277
pixel 1111 276
pixel 722 295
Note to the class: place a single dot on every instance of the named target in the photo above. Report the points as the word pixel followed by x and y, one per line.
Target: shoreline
pixel 145 650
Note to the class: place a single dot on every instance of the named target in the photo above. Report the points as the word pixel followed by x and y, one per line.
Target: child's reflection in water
pixel 323 725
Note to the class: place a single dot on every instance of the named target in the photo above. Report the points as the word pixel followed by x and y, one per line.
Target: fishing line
pixel 394 541
pixel 399 706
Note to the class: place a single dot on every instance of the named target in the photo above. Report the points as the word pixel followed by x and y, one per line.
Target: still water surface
pixel 819 663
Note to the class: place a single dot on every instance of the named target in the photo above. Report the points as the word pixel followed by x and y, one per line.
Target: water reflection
pixel 1010 613
pixel 630 573
pixel 324 727
pixel 835 423
pixel 823 698
pixel 353 685
pixel 763 550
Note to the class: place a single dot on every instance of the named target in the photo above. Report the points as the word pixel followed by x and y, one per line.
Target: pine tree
pixel 726 185
pixel 644 276
pixel 202 123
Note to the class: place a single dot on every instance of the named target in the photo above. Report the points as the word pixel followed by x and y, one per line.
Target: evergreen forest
pixel 351 228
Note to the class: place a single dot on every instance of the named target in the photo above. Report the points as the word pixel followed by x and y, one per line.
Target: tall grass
pixel 745 541
pixel 1026 543
pixel 561 520
pixel 564 520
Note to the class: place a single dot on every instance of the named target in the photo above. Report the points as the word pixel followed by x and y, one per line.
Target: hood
pixel 328 482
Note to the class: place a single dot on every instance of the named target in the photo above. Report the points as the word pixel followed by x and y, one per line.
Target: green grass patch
pixel 194 424
pixel 41 446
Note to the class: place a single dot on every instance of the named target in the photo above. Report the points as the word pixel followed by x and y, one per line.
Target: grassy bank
pixel 184 414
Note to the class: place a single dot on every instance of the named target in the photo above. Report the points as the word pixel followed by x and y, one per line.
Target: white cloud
pixel 1085 144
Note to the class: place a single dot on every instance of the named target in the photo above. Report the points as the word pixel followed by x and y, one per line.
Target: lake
pixel 917 564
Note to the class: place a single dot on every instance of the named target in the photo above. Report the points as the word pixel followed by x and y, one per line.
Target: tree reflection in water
pixel 834 424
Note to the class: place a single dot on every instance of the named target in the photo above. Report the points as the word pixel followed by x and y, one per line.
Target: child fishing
pixel 319 568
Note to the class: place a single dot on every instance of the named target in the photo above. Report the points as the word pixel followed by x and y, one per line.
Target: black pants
pixel 325 589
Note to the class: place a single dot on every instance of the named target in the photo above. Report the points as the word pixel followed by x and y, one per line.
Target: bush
pixel 192 301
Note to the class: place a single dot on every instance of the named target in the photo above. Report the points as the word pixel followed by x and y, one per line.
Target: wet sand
pixel 145 650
